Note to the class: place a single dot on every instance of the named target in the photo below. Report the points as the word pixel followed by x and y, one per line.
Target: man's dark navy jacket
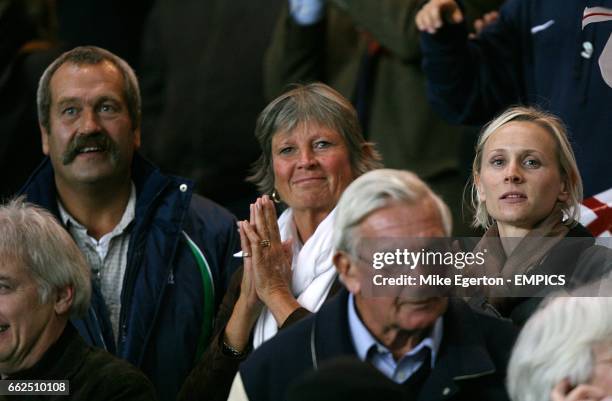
pixel 179 264
pixel 471 364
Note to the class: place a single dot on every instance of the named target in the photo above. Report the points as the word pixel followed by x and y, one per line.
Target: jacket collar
pixel 40 187
pixel 463 352
pixel 332 334
pixel 149 181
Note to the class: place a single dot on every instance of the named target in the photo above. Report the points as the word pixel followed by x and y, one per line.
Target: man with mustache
pixel 432 347
pixel 160 255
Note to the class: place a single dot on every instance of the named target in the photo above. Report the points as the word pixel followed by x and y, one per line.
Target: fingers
pixel 586 392
pixel 253 239
pixel 559 391
pixel 490 17
pixel 483 22
pixel 425 19
pixel 271 219
pixel 260 219
pixel 264 219
pixel 456 16
pixel 478 25
pixel 252 214
pixel 245 244
pixel 435 13
pixel 563 392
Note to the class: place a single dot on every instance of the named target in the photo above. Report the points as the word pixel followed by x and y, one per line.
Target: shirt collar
pixel 363 340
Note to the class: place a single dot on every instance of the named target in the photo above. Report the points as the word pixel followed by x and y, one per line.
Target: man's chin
pixel 86 176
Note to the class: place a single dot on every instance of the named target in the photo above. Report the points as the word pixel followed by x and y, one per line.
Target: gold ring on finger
pixel 264 243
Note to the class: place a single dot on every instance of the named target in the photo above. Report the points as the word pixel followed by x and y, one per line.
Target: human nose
pixel 89 122
pixel 306 158
pixel 513 173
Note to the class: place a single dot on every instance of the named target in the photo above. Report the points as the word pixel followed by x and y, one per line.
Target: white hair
pixel 33 238
pixel 375 190
pixel 556 343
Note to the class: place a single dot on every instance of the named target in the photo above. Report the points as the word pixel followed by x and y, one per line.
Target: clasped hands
pixel 267 262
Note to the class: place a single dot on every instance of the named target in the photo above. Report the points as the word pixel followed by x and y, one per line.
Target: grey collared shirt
pixel 371 350
pixel 107 257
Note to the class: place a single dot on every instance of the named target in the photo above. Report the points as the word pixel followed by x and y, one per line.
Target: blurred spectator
pixel 114 25
pixel 369 51
pixel 202 92
pixel 27 32
pixel 44 280
pixel 344 378
pixel 556 54
pixel 564 352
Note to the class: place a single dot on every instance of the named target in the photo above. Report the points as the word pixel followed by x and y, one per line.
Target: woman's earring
pixel 275 197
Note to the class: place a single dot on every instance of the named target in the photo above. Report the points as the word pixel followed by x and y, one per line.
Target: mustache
pixel 94 140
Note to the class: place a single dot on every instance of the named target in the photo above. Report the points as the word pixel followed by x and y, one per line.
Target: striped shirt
pixel 107 257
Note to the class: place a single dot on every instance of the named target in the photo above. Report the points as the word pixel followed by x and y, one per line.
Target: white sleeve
pixel 306 12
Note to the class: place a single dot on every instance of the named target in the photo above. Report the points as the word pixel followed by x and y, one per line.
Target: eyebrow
pixel 67 100
pixel 104 98
pixel 522 150
pixel 107 98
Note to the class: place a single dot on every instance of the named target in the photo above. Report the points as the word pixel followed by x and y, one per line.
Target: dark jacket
pixel 470 81
pixel 471 364
pixel 93 374
pixel 169 294
pixel 212 378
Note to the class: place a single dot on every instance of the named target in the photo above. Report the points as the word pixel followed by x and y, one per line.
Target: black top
pixel 93 374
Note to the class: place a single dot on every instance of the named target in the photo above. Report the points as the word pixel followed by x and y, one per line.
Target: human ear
pixel 44 136
pixel 137 138
pixel 563 192
pixel 347 272
pixel 63 300
pixel 479 188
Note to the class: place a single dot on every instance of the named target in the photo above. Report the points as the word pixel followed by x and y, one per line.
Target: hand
pixel 563 391
pixel 248 306
pixel 248 294
pixel 435 13
pixel 271 262
pixel 482 22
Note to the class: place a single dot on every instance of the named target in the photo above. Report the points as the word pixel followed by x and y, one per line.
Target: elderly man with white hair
pixel 431 347
pixel 564 352
pixel 44 280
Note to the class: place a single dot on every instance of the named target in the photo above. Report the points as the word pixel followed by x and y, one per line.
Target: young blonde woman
pixel 526 188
